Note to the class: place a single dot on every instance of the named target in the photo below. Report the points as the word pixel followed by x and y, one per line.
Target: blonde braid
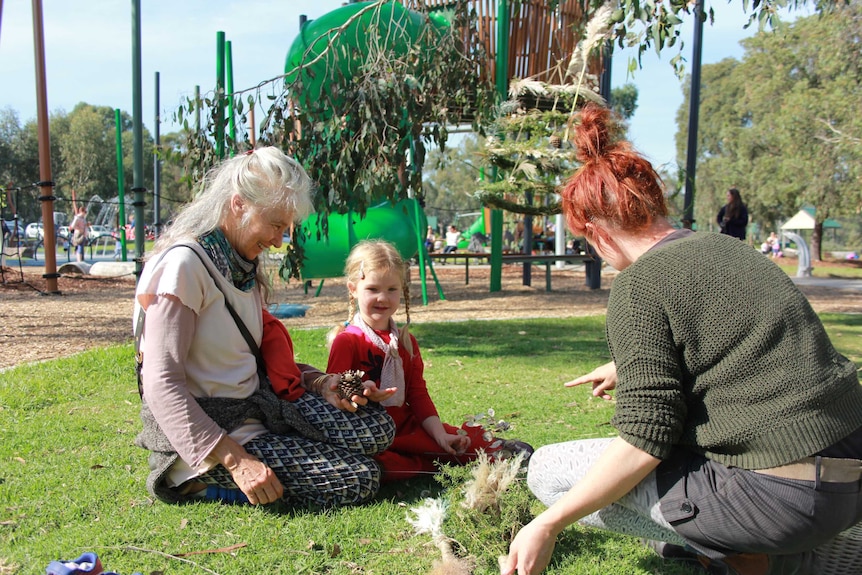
pixel 351 311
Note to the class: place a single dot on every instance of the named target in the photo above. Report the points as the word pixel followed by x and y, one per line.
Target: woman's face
pixel 263 229
pixel 602 241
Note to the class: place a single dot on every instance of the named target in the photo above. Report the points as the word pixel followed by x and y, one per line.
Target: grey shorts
pixel 723 510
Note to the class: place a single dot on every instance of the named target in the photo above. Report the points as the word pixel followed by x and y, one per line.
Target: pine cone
pixel 556 141
pixel 351 384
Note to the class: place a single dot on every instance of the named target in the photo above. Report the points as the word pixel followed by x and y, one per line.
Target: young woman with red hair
pixel 739 425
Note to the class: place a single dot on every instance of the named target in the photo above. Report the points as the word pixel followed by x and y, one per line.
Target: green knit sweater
pixel 717 351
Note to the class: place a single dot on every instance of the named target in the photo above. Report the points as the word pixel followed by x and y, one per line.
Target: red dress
pixel 413 451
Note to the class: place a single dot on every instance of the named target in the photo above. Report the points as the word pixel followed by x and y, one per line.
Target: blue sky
pixel 88 49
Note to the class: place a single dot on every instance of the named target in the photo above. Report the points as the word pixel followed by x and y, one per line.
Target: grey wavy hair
pixel 264 179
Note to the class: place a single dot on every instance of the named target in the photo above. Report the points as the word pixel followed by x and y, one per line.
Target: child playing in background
pixel 394 373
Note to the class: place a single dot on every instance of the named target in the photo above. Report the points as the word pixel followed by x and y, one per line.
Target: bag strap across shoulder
pixel 246 334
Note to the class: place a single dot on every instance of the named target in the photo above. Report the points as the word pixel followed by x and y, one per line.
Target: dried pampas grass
pixel 428 518
pixel 490 481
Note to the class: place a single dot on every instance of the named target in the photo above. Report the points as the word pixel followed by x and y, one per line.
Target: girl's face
pixel 378 297
pixel 262 230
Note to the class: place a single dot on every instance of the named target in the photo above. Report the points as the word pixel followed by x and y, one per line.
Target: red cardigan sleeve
pixel 276 348
pixel 342 354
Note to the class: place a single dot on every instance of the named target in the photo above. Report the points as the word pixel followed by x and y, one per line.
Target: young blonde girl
pixel 370 341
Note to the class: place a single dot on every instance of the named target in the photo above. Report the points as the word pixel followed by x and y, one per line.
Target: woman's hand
pixel 329 392
pixel 530 551
pixel 252 476
pixel 603 378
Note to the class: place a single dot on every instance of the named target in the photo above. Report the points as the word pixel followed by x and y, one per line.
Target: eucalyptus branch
pixel 598 30
pixel 335 33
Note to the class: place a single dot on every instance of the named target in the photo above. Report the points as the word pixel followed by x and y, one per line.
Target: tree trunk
pixel 816 237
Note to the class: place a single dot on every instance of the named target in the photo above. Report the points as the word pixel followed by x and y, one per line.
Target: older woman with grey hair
pixel 212 424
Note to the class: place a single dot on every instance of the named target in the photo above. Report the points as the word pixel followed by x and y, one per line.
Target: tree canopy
pixel 83 159
pixel 783 125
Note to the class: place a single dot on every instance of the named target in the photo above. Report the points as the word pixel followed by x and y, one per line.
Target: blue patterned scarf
pixel 240 271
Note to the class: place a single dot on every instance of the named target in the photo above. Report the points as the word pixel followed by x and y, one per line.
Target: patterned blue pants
pixel 337 471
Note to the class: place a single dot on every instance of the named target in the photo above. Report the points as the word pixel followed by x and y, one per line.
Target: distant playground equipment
pixel 403 223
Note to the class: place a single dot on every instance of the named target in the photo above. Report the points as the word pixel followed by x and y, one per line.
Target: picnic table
pixel 511 258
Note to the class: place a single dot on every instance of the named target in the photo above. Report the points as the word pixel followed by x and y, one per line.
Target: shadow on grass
pixel 410 491
pixel 527 338
pixel 575 544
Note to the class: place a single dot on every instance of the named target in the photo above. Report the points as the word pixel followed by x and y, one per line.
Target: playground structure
pixel 539 39
pixel 100 246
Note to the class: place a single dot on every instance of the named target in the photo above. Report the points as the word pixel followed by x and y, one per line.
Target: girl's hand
pixel 603 378
pixel 374 393
pixel 453 444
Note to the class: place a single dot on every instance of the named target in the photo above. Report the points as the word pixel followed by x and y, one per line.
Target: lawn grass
pixel 823 269
pixel 71 479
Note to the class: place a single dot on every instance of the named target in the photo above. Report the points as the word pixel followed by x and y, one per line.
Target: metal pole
pixel 137 139
pixel 219 97
pixel 45 184
pixel 593 269
pixel 121 186
pixel 157 167
pixel 502 82
pixel 231 120
pixel 693 113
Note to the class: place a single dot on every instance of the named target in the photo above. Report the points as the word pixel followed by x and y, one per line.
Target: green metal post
pixel 219 97
pixel 502 80
pixel 231 122
pixel 121 185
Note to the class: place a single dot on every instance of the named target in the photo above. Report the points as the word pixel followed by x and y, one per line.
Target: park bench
pixel 546 260
pixel 465 256
pixel 533 259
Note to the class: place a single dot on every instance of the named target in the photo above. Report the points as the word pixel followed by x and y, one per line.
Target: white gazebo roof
pixel 804 220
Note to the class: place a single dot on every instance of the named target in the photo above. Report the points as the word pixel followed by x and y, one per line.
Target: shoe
pixel 512 448
pixel 741 564
pixel 672 551
pixel 225 495
pixel 86 564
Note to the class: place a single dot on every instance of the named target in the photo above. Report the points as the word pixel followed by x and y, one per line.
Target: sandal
pixel 86 564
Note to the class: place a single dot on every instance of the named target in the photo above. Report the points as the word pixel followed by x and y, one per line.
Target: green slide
pixel 325 256
pixel 397 27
